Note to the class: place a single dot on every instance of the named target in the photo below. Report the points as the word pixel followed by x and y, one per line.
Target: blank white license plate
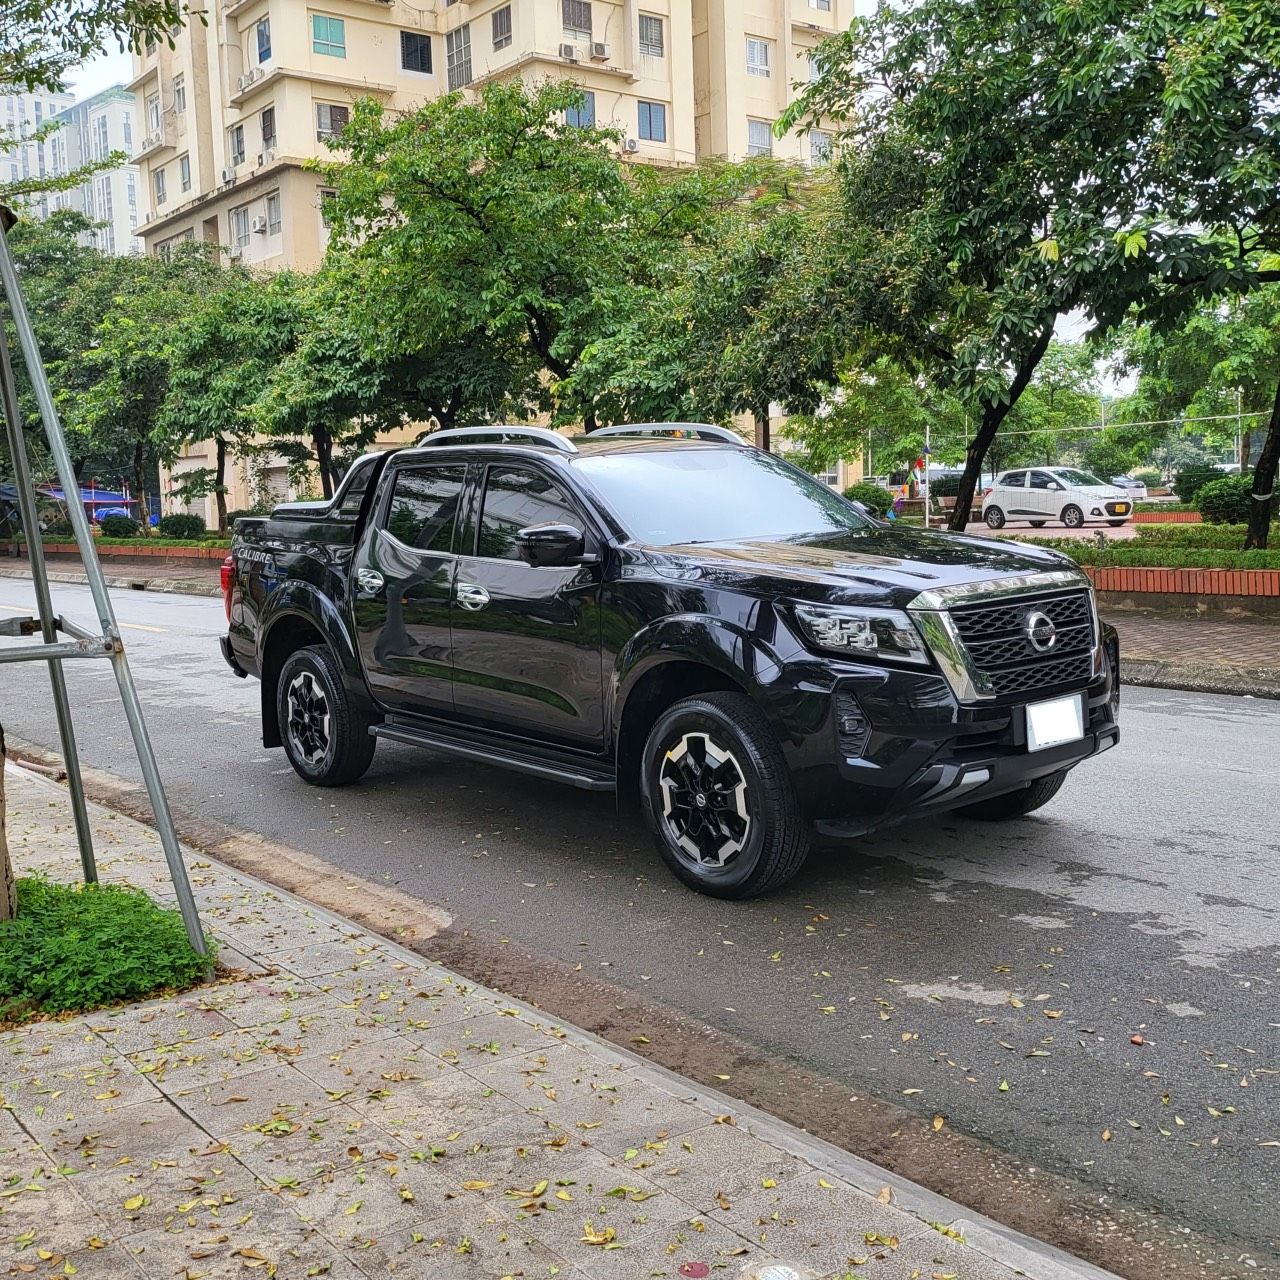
pixel 1049 724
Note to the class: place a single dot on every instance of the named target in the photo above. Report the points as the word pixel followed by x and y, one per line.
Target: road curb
pixel 178 586
pixel 1150 673
pixel 999 1244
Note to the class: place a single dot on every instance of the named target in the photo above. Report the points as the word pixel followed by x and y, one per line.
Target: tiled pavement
pixel 345 1109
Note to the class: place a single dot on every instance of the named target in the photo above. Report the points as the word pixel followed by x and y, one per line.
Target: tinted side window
pixel 424 507
pixel 1042 480
pixel 1018 479
pixel 514 499
pixel 357 482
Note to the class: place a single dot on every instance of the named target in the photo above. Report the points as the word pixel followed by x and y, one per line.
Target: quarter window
pixel 424 507
pixel 514 499
pixel 415 52
pixel 328 35
pixel 457 51
pixel 652 44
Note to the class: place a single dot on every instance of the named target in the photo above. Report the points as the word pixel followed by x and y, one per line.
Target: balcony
pixel 151 143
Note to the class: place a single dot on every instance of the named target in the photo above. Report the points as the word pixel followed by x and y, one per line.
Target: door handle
pixel 471 596
pixel 369 580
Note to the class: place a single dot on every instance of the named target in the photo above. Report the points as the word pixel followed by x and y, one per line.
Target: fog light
pixel 1097 511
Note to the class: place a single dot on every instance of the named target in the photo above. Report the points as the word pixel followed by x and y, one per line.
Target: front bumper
pixel 882 745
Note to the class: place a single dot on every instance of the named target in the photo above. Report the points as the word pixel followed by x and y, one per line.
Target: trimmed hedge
pixel 119 527
pixel 1146 556
pixel 872 496
pixel 1163 506
pixel 1229 500
pixel 1190 480
pixel 180 525
pixel 1222 537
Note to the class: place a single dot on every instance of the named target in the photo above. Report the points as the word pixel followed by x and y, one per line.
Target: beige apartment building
pixel 230 113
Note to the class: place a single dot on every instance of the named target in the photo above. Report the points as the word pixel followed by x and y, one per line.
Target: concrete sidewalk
pixel 340 1107
pixel 186 577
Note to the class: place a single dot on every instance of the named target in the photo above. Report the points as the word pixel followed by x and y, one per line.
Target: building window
pixel 326 195
pixel 153 113
pixel 273 214
pixel 100 144
pixel 263 30
pixel 236 137
pixel 815 71
pixel 652 44
pixel 179 94
pixel 457 49
pixel 415 52
pixel 268 128
pixel 157 181
pixel 240 226
pixel 328 36
pixel 653 121
pixel 331 120
pixel 184 172
pixel 759 138
pixel 502 27
pixel 819 146
pixel 577 18
pixel 131 189
pixel 758 56
pixel 126 122
pixel 823 5
pixel 583 117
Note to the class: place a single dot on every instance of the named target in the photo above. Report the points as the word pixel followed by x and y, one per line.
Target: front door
pixel 402 585
pixel 1044 494
pixel 526 641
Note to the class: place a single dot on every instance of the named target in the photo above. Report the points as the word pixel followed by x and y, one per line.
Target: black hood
pixel 879 565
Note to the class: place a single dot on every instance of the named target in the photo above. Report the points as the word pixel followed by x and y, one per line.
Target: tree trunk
pixel 139 485
pixel 322 443
pixel 220 489
pixel 8 888
pixel 992 416
pixel 762 428
pixel 1246 448
pixel 1264 482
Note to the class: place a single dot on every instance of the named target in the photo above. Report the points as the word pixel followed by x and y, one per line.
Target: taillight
pixel 989 489
pixel 228 583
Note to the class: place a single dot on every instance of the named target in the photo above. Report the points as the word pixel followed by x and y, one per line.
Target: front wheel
pixel 1016 804
pixel 1073 517
pixel 994 518
pixel 326 739
pixel 719 800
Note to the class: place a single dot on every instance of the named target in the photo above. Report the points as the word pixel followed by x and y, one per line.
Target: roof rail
pixel 499 435
pixel 686 430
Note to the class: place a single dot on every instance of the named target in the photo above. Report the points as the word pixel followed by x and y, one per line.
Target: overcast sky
pixel 100 73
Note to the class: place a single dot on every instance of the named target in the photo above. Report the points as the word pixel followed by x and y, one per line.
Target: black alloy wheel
pixel 326 738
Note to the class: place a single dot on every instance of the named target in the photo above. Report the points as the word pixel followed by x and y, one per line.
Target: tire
pixel 1038 524
pixel 1073 517
pixel 1016 804
pixel 1115 524
pixel 994 518
pixel 719 747
pixel 326 739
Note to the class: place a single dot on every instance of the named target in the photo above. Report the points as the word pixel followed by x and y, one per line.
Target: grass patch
pixel 78 947
pixel 1220 537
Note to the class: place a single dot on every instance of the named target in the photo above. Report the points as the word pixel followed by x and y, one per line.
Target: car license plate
pixel 1049 724
pixel 1122 508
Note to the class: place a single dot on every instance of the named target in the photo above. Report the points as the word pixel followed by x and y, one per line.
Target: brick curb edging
pixel 1199 582
pixel 1167 517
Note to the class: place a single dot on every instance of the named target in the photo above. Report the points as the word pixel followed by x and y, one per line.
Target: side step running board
pixel 572 773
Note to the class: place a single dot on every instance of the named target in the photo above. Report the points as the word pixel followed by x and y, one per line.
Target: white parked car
pixel 1134 488
pixel 1041 494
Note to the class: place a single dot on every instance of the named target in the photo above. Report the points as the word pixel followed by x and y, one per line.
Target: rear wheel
pixel 994 518
pixel 1073 517
pixel 718 798
pixel 326 739
pixel 1016 804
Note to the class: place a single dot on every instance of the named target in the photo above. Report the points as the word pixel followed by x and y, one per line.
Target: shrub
pixel 1149 476
pixel 119 526
pixel 180 526
pixel 1227 500
pixel 872 496
pixel 1163 507
pixel 1190 480
pixel 58 531
pixel 1156 556
pixel 76 947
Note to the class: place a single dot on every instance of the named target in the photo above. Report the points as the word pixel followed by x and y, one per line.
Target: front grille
pixel 998 640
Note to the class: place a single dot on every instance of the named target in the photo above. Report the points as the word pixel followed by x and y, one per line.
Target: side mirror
pixel 549 546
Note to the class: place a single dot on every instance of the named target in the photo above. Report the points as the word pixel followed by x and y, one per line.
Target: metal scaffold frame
pixel 106 643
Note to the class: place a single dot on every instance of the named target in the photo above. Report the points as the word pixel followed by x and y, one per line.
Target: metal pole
pixel 101 598
pixel 44 607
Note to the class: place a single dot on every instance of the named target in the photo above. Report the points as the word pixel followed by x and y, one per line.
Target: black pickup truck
pixel 668 613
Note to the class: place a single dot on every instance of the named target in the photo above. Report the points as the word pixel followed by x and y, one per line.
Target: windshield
pixel 1078 478
pixel 714 495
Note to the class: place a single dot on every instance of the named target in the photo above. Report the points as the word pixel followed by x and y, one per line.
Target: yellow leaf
pixel 768 1183
pixel 605 1236
pixel 563 1195
pixel 724 1077
pixel 475 1184
pixel 830 1186
pixel 938 1122
pixel 136 1202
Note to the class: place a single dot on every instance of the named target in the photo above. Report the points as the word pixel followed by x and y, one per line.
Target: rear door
pixel 402 586
pixel 526 641
pixel 1011 494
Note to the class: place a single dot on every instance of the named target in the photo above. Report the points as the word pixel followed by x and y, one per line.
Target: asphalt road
pixel 992 975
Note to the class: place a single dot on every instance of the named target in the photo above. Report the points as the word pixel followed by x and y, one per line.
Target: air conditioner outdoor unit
pixel 569 52
pixel 235 251
pixel 255 73
pixel 153 140
pixel 229 175
pixel 243 83
pixel 259 224
pixel 599 52
pixel 631 144
pixel 266 157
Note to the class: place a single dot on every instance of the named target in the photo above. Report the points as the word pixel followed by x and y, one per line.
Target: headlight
pixel 862 633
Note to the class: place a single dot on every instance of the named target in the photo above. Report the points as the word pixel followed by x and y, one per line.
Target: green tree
pixel 1142 132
